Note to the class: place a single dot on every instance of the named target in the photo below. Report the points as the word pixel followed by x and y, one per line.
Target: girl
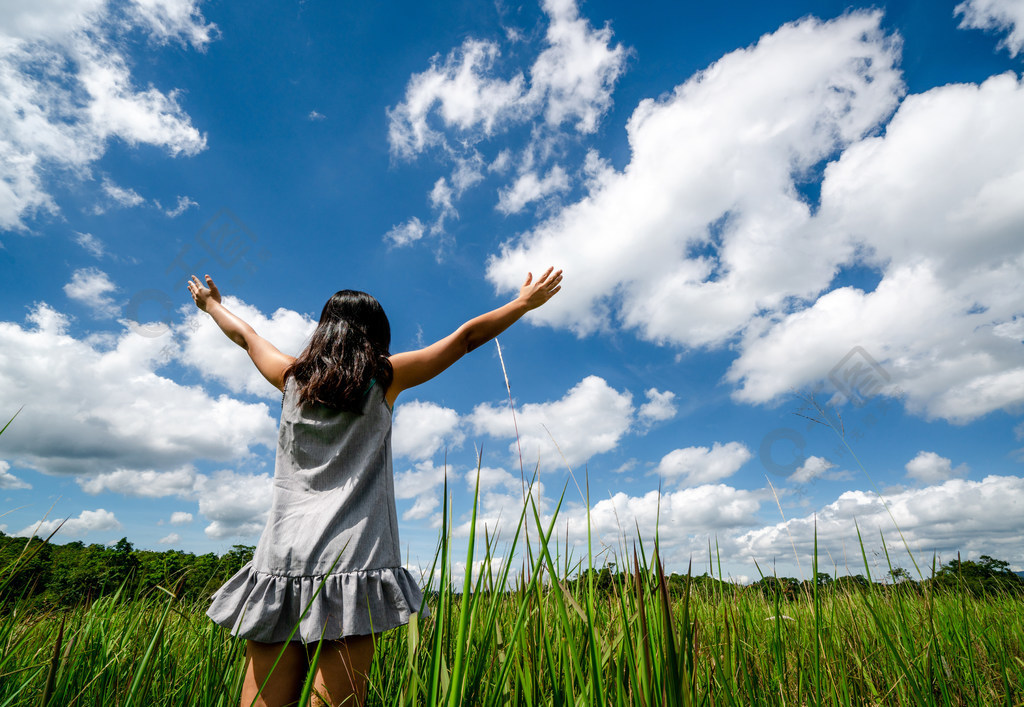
pixel 330 547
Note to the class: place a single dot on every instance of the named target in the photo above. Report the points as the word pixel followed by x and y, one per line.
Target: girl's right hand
pixel 534 294
pixel 202 295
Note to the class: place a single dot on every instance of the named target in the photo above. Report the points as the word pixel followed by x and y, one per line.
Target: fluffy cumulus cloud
pixel 682 518
pixel 461 101
pixel 956 515
pixel 999 15
pixel 67 91
pixel 693 466
pixel 143 483
pixel 709 201
pixel 97 406
pixel 170 539
pixel 235 504
pixel 659 406
pixel 571 80
pixel 462 93
pixel 9 481
pixel 574 76
pixel 930 468
pixel 499 509
pixel 215 357
pixel 529 188
pixel 933 205
pixel 86 522
pixel 422 483
pixel 421 429
pixel 92 287
pixel 589 419
pixel 725 249
pixel 815 468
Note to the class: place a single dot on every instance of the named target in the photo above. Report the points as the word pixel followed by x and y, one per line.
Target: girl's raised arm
pixel 414 367
pixel 268 359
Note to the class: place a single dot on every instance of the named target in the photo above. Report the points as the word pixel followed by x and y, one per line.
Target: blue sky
pixel 758 209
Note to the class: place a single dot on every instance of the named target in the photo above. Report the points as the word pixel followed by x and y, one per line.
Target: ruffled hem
pixel 266 607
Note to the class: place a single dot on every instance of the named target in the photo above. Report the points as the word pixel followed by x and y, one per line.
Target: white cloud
pixel 236 504
pixel 575 75
pixel 424 428
pixel 183 205
pixel 716 225
pixel 816 468
pixel 571 79
pixel 216 357
pixel 422 479
pixel 86 522
pixel 589 419
pixel 490 479
pixel 170 539
pixel 91 287
pixel 441 201
pixel 424 506
pixel 122 196
pixel 528 188
pixel 464 93
pixel 98 404
pixel 66 90
pixel 142 483
pixel 995 15
pixel 316 115
pixel 930 468
pixel 406 233
pixel 9 481
pixel 91 243
pixel 723 248
pixel 468 171
pixel 692 466
pixel 460 102
pixel 659 406
pixel 969 516
pixel 422 483
pixel 499 509
pixel 675 516
pixel 181 518
pixel 933 204
pixel 174 19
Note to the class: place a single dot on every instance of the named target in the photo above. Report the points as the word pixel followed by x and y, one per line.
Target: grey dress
pixel 328 559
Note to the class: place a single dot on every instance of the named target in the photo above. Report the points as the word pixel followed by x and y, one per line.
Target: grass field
pixel 549 639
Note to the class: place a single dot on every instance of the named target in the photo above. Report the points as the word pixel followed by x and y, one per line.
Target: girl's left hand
pixel 202 295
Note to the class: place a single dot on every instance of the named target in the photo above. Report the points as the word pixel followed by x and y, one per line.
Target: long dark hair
pixel 347 353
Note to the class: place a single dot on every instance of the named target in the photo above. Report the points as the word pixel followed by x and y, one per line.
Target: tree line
pixel 39 574
pixel 985 576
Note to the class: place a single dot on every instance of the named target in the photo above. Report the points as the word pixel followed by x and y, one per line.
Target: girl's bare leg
pixel 342 671
pixel 283 683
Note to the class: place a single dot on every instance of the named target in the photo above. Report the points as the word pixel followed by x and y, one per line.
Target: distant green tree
pixel 987 575
pixel 786 587
pixel 849 583
pixel 899 574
